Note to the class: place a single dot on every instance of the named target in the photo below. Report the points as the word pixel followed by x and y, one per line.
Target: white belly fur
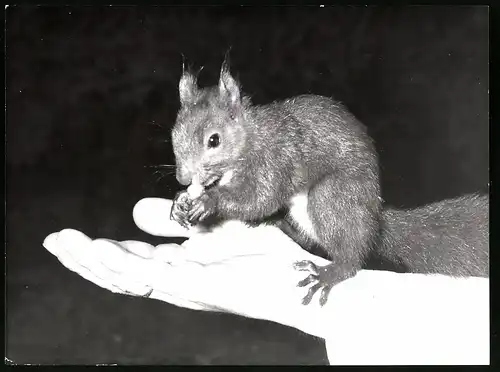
pixel 298 212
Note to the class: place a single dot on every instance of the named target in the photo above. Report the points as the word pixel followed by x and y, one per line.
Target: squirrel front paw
pixel 201 208
pixel 180 208
pixel 325 277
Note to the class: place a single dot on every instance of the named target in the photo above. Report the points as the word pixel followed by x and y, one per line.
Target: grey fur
pixel 313 143
pixel 448 237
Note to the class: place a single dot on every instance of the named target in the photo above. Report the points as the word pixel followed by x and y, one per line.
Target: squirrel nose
pixel 184 178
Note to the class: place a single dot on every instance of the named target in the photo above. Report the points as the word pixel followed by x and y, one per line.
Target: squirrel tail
pixel 448 237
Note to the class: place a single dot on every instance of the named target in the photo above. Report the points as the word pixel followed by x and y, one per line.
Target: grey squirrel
pixel 309 166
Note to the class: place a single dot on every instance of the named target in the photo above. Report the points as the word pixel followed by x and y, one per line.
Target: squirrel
pixel 309 166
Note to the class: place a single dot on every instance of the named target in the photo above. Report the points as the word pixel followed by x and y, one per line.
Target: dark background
pixel 92 94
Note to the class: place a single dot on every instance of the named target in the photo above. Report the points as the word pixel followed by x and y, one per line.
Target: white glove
pixel 374 318
pixel 234 268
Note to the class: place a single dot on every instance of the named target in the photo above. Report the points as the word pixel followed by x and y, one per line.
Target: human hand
pixel 375 317
pixel 233 268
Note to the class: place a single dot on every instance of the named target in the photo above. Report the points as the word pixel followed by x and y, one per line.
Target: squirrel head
pixel 209 133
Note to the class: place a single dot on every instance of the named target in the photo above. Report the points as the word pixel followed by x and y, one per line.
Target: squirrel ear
pixel 188 88
pixel 228 86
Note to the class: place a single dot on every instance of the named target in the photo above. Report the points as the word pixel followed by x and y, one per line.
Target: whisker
pixel 164 172
pixel 160 178
pixel 153 122
pixel 160 166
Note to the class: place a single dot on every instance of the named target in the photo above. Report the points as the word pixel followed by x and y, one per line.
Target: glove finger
pixel 117 259
pixel 72 248
pixel 132 268
pixel 58 241
pixel 140 249
pixel 171 253
pixel 100 261
pixel 60 245
pixel 120 268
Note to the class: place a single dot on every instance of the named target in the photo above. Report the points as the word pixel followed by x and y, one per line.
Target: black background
pixel 92 95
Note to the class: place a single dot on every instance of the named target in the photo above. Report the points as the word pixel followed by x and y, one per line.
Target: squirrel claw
pixel 311 278
pixel 324 276
pixel 306 266
pixel 180 218
pixel 197 214
pixel 310 293
pixel 180 208
pixel 200 209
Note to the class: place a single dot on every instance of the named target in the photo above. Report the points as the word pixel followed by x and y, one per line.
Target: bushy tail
pixel 449 237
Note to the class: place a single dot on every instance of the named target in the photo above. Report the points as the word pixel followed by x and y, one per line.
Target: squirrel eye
pixel 214 140
pixel 232 116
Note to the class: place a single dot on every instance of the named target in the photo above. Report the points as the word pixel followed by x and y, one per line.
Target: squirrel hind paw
pixel 323 278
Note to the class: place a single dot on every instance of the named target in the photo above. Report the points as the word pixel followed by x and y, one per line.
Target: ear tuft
pixel 228 86
pixel 187 88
